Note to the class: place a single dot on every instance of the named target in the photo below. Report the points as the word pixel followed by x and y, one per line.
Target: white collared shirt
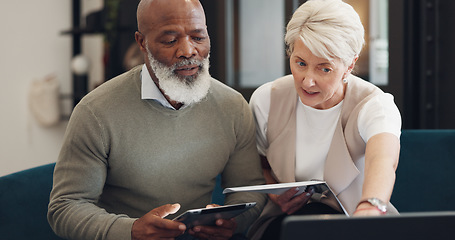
pixel 149 90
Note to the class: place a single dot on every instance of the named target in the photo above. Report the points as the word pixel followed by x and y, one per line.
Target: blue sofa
pixel 425 177
pixel 24 197
pixel 23 204
pixel 425 182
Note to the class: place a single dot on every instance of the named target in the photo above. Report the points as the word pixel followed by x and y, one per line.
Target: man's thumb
pixel 165 210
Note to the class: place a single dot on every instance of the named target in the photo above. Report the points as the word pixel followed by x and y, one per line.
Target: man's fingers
pixel 156 217
pixel 229 224
pixel 151 226
pixel 224 229
pixel 206 232
pixel 165 210
pixel 170 225
pixel 212 205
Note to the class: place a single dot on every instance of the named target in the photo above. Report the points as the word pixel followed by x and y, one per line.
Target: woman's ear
pixel 351 67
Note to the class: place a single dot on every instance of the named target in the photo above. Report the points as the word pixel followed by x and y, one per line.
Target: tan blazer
pixel 344 166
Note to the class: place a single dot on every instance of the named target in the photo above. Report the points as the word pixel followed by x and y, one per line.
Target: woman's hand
pixel 288 202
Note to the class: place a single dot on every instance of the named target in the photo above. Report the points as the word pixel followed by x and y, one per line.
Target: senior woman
pixel 322 122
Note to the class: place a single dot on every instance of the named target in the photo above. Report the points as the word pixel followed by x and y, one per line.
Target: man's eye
pixel 199 38
pixel 169 42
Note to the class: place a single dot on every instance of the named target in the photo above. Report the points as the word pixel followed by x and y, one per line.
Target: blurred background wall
pixel 32 47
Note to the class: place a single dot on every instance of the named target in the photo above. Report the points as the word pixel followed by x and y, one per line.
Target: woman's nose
pixel 308 80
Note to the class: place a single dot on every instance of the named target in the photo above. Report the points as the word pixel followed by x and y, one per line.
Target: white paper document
pixel 321 191
pixel 277 188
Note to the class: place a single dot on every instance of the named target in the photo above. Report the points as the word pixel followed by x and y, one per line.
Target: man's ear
pixel 140 39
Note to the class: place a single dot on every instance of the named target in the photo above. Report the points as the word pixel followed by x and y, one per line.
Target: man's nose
pixel 186 49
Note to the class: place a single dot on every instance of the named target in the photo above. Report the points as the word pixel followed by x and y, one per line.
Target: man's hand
pixel 224 229
pixel 153 226
pixel 288 202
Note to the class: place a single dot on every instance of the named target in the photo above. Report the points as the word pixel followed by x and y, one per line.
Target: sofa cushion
pixel 24 197
pixel 425 177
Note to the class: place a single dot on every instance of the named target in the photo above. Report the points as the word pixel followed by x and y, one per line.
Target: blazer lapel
pixel 281 129
pixel 339 169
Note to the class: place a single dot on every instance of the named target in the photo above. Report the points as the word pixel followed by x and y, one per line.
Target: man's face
pixel 184 89
pixel 173 37
pixel 176 31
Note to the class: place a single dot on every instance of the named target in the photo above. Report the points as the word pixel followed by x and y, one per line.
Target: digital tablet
pixel 208 216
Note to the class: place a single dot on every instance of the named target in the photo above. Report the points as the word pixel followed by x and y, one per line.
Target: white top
pixel 315 128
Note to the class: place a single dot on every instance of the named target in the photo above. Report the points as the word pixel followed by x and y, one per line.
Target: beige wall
pixel 362 8
pixel 32 47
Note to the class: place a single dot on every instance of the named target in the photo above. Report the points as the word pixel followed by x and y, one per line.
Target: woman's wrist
pixel 373 203
pixel 363 209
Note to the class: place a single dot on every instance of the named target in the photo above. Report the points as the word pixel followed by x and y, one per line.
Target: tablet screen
pixel 208 216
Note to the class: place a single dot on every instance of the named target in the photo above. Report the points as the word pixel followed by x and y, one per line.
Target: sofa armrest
pixel 24 197
pixel 425 176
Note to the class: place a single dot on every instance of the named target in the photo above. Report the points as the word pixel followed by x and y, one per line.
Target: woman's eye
pixel 326 70
pixel 302 64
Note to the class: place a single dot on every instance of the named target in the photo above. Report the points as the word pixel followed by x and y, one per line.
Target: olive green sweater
pixel 123 156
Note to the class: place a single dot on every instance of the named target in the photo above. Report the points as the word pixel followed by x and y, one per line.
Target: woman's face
pixel 318 81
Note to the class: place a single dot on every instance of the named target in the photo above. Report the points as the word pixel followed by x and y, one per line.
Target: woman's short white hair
pixel 329 28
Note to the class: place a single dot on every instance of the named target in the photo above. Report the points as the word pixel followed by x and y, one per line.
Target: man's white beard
pixel 186 90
